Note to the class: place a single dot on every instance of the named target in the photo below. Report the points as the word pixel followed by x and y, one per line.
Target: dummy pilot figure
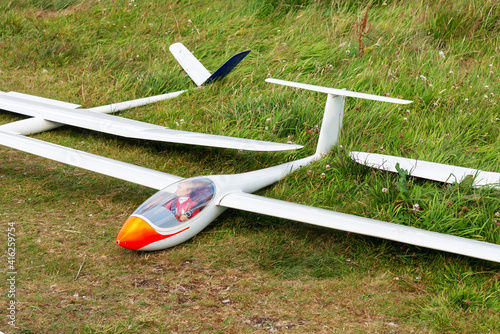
pixel 183 207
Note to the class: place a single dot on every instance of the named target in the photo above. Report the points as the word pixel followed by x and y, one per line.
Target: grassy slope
pixel 276 274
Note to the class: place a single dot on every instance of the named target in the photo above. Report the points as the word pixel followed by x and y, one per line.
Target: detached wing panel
pixel 96 121
pixel 118 169
pixel 427 170
pixel 44 100
pixel 361 225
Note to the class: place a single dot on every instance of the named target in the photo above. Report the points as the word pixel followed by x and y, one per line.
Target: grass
pixel 250 273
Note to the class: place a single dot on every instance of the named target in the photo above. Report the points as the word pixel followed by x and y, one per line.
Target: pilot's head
pixel 184 189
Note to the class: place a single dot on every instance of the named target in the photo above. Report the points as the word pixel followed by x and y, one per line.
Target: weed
pixel 403 183
pixel 362 29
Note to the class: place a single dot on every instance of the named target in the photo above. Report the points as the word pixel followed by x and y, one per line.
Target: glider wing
pixel 118 169
pixel 38 99
pixel 101 122
pixel 427 170
pixel 361 225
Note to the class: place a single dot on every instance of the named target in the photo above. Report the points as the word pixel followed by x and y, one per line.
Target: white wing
pixel 44 100
pixel 361 225
pixel 427 170
pixel 121 170
pixel 339 92
pixel 89 119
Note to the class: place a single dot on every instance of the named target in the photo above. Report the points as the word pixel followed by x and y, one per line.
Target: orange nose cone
pixel 136 233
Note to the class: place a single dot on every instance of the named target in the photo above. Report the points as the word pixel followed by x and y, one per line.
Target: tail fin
pixel 227 66
pixel 334 110
pixel 195 69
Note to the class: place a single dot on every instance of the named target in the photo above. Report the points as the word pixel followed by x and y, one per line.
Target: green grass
pixel 277 275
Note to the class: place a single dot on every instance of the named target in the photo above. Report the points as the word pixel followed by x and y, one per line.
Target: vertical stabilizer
pixel 331 125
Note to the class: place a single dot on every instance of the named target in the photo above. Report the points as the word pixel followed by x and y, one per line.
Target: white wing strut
pixel 361 225
pixel 121 170
pixel 427 170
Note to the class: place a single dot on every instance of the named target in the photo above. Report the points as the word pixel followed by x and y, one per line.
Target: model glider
pixel 183 207
pixel 48 114
pixel 428 170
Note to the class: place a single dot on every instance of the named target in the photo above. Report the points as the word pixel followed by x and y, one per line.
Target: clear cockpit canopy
pixel 178 203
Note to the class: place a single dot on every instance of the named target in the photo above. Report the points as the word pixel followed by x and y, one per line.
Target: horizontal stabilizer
pixel 362 225
pixel 118 169
pixel 337 92
pixel 427 170
pixel 129 128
